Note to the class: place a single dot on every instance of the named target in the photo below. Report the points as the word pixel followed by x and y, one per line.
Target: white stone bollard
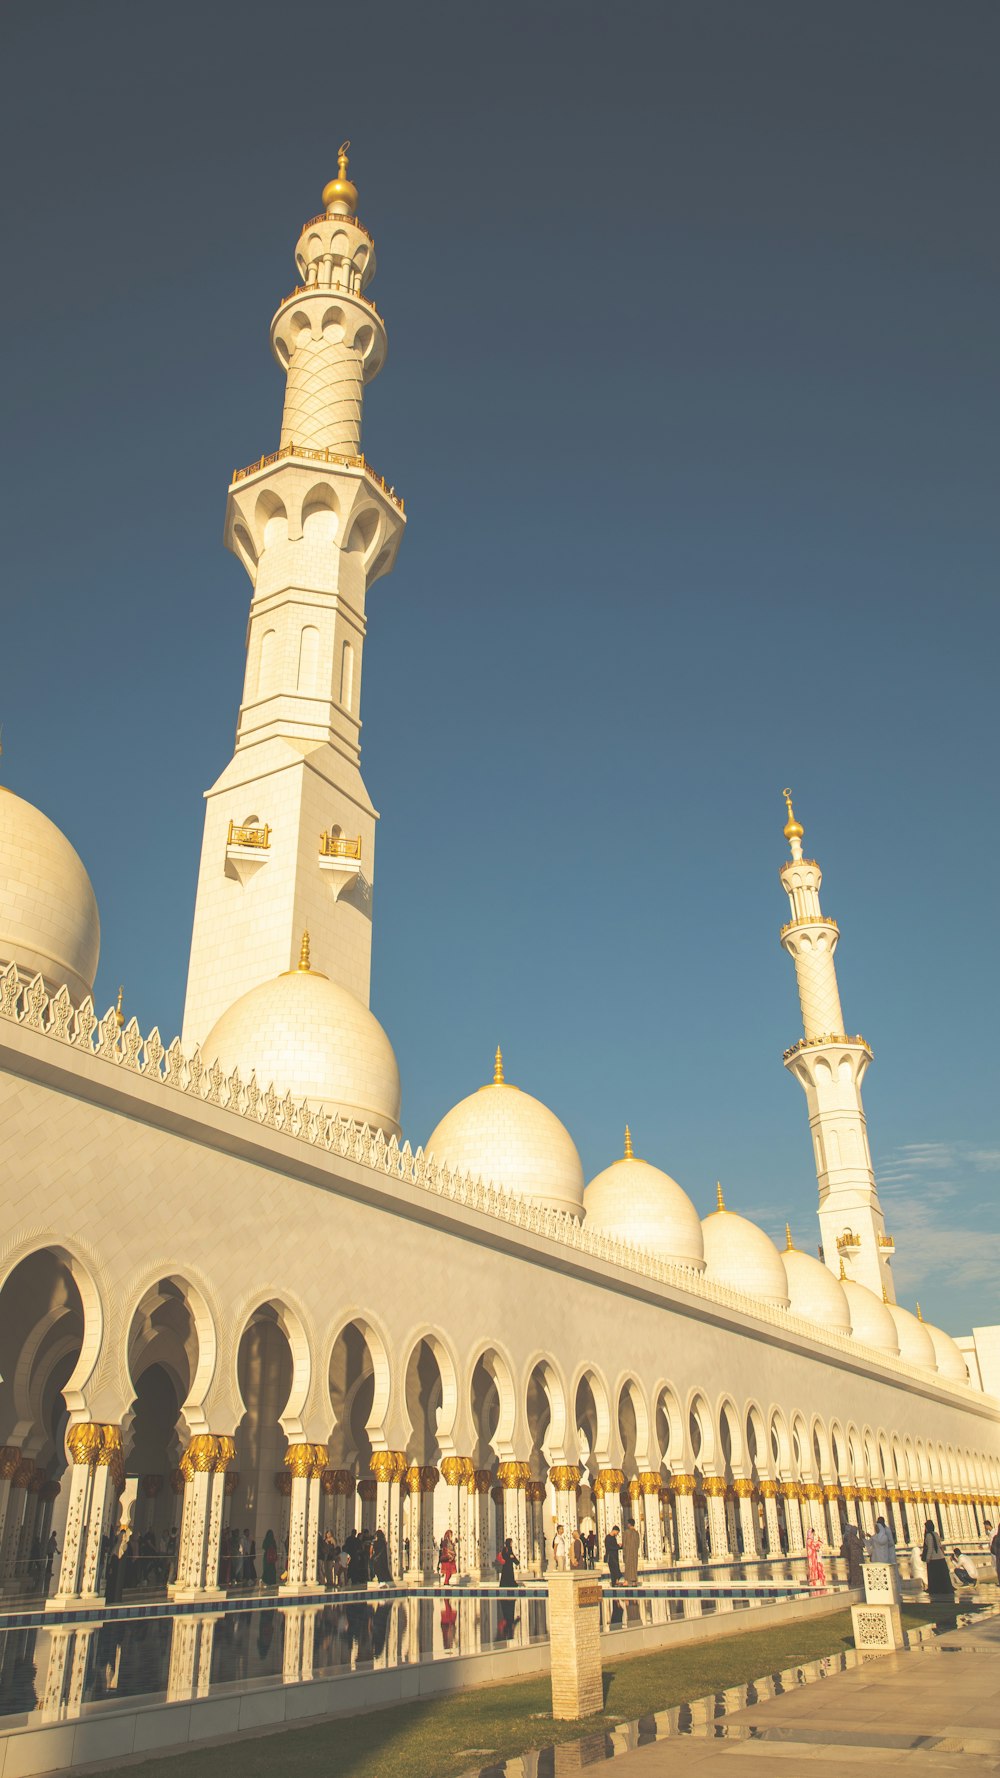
pixel 877 1624
pixel 574 1614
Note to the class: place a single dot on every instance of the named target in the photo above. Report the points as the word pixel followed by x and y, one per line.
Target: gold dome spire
pixel 304 962
pixel 789 1243
pixel 498 1079
pixel 119 1015
pixel 629 1154
pixel 919 1313
pixel 720 1202
pixel 341 190
pixel 794 830
pixel 843 1275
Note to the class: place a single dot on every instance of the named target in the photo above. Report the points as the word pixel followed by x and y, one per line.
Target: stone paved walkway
pixel 935 1709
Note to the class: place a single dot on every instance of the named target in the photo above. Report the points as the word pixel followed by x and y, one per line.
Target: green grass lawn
pixel 445 1736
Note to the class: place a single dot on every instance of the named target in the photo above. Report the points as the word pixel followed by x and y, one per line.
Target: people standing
pixel 508 1564
pixel 236 1554
pixel 851 1552
pixel 630 1554
pixel 269 1566
pixel 591 1542
pixel 815 1572
pixel 249 1558
pixel 447 1565
pixel 613 1555
pixel 881 1544
pixel 51 1552
pixel 380 1559
pixel 559 1548
pixel 577 1559
pixel 938 1578
pixel 995 1549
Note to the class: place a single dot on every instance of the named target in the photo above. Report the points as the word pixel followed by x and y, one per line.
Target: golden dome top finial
pixel 119 1015
pixel 919 1313
pixel 304 962
pixel 341 192
pixel 789 1243
pixel 793 829
pixel 885 1294
pixel 498 1079
pixel 629 1150
pixel 720 1202
pixel 843 1274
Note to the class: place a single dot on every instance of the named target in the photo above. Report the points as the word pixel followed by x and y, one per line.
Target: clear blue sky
pixel 692 393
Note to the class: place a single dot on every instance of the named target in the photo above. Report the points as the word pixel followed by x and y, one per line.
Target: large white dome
pixel 814 1292
pixel 739 1254
pixel 915 1343
pixel 950 1362
pixel 308 1036
pixel 871 1322
pixel 49 924
pixel 641 1204
pixel 505 1136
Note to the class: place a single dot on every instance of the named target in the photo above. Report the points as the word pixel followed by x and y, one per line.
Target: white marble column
pixel 423 1479
pixel 718 1531
pixel 480 1539
pixel 565 1480
pixel 535 1496
pixel 204 1466
pixel 748 1517
pixel 794 1519
pixel 769 1491
pixel 389 1469
pixel 62 1690
pixel 15 1471
pixel 96 1471
pixel 514 1478
pixel 607 1487
pixel 306 1463
pixel 456 1474
pixel 650 1483
pixel 687 1537
pixel 866 1513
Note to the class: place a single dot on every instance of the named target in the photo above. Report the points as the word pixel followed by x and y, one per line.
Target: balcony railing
pixel 848 1243
pixel 334 845
pixel 810 920
pixel 352 221
pixel 834 1037
pixel 331 290
pixel 888 1243
pixel 257 837
pixel 312 455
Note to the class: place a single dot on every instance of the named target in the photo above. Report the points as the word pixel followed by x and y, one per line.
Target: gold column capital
pixel 682 1484
pixel 388 1466
pixel 513 1475
pixel 565 1476
pixel 456 1470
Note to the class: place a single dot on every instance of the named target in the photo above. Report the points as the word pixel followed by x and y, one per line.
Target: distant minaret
pixel 830 1068
pixel 289 827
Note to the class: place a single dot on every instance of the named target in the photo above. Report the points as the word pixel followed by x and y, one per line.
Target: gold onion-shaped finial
pixel 793 829
pixel 885 1294
pixel 341 190
pixel 843 1274
pixel 304 962
pixel 919 1313
pixel 629 1150
pixel 498 1080
pixel 720 1202
pixel 789 1243
pixel 119 1015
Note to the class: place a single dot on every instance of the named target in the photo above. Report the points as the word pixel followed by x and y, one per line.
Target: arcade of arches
pixel 487 1453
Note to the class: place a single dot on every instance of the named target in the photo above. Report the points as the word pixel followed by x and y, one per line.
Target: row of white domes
pixel 308 1036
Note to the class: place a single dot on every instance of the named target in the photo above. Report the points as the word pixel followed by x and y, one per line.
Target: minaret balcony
pixel 340 860
pixel 809 920
pixel 312 455
pixel 848 1244
pixel 247 848
pixel 887 1243
pixel 831 1038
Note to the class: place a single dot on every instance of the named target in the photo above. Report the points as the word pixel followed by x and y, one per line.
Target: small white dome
pixel 871 1322
pixel 950 1362
pixel 641 1204
pixel 739 1254
pixel 307 1036
pixel 49 924
pixel 506 1137
pixel 814 1292
pixel 915 1343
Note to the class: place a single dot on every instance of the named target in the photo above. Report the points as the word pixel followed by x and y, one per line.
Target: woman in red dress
pixel 446 1557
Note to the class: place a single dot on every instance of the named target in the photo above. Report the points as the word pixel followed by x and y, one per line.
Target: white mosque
pixel 170 1343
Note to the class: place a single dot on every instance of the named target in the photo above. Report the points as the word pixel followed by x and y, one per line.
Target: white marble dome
pixel 915 1343
pixel 814 1292
pixel 950 1361
pixel 49 924
pixel 308 1036
pixel 640 1203
pixel 739 1254
pixel 871 1322
pixel 502 1135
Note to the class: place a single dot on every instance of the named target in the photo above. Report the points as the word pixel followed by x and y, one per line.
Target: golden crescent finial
pixel 629 1150
pixel 793 829
pixel 341 190
pixel 498 1080
pixel 119 1015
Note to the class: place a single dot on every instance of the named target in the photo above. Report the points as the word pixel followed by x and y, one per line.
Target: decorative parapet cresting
pixel 26 1003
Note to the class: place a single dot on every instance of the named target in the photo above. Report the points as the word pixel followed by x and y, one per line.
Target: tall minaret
pixel 830 1068
pixel 289 827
